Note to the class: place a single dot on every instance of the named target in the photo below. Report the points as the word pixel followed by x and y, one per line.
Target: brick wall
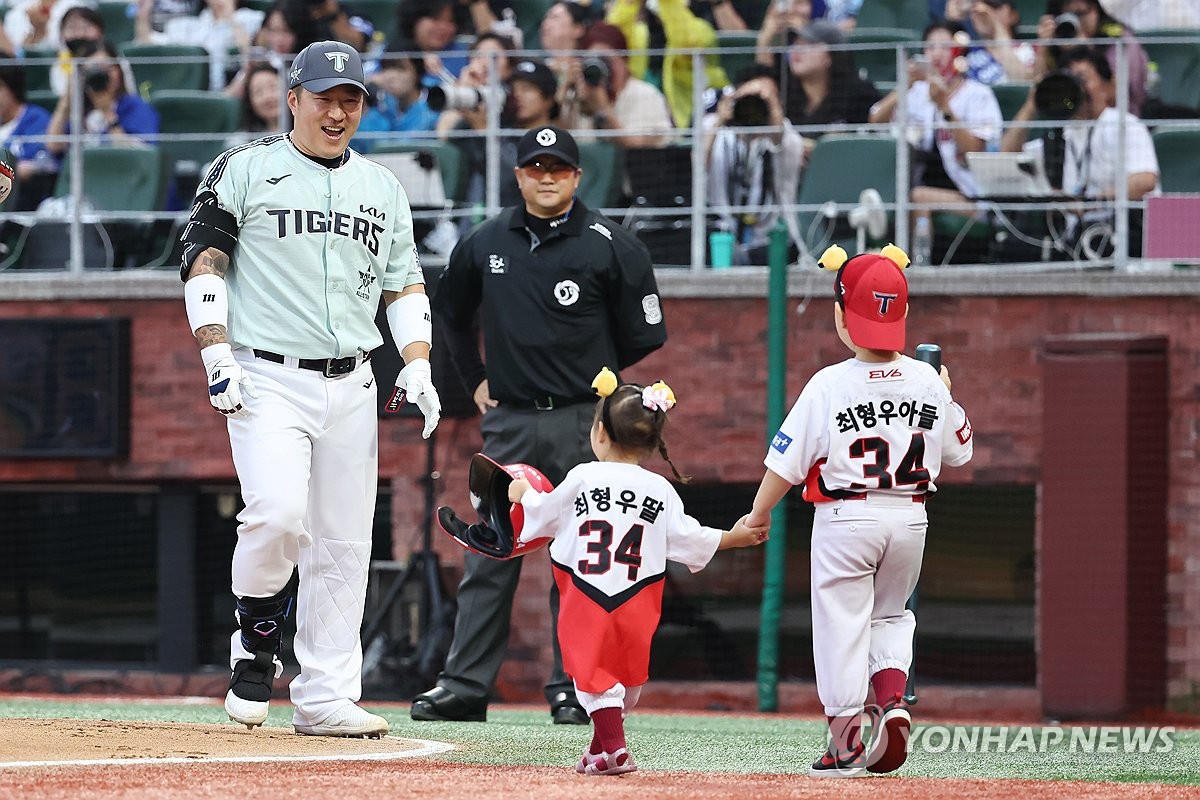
pixel 715 361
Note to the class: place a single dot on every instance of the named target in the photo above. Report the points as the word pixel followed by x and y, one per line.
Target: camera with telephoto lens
pixel 1058 95
pixel 97 79
pixel 751 111
pixel 595 71
pixel 463 98
pixel 1066 25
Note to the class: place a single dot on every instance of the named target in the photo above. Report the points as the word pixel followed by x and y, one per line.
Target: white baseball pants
pixel 307 459
pixel 866 558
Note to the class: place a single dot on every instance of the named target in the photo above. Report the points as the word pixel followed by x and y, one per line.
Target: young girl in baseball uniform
pixel 614 526
pixel 866 439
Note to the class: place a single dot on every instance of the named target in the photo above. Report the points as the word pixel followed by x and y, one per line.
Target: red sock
pixel 887 684
pixel 846 732
pixel 609 729
pixel 595 748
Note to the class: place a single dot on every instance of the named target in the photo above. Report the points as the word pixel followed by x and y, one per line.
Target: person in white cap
pixel 291 242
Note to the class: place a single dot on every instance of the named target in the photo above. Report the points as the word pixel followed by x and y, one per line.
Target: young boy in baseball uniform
pixel 866 439
pixel 614 525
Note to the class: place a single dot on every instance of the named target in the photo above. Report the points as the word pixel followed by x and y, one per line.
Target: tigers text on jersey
pixel 863 427
pixel 615 526
pixel 315 248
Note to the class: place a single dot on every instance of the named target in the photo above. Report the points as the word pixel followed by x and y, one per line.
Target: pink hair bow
pixel 658 397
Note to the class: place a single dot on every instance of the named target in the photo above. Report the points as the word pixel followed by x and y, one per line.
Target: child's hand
pixel 945 376
pixel 743 535
pixel 517 489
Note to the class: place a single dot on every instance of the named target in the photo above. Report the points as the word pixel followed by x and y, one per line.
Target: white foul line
pixel 427 748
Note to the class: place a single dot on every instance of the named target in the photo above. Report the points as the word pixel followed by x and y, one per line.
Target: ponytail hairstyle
pixel 633 416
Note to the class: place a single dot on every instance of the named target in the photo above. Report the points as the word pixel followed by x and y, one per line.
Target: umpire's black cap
pixel 324 65
pixel 547 140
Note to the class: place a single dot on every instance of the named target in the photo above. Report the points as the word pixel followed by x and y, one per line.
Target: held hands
pixel 416 379
pixel 517 489
pixel 227 381
pixel 744 535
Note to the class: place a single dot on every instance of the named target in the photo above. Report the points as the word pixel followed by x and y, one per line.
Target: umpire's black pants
pixel 553 442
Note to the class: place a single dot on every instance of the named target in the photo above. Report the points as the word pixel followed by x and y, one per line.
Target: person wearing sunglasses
pixel 560 291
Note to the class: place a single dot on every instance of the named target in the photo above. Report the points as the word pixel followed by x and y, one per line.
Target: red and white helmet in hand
pixel 497 534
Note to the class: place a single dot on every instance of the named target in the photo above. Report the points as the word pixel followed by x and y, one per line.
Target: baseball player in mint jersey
pixel 866 439
pixel 560 291
pixel 292 242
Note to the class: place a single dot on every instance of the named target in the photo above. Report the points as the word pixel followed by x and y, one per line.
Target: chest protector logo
pixel 566 293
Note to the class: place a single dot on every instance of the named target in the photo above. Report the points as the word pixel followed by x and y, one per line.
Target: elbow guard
pixel 409 320
pixel 209 226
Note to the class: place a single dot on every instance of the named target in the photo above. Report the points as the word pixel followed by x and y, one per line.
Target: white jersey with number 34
pixel 861 427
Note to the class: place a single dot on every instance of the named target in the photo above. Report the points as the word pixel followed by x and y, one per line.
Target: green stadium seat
pixel 1178 162
pixel 119 178
pixel 602 176
pixel 119 20
pixel 42 97
pixel 737 51
pixel 194 112
pixel 1011 97
pixel 878 63
pixel 910 14
pixel 840 167
pixel 37 76
pixel 1178 65
pixel 161 67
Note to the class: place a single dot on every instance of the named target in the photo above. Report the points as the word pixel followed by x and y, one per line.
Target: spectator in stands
pixel 82 28
pixel 36 23
pixel 287 28
pixel 606 97
pixel 166 10
pixel 431 27
pixel 1093 154
pixel 262 102
pixel 532 104
pixel 1095 23
pixel 489 51
pixel 683 30
pixel 335 23
pixel 731 15
pixel 562 27
pixel 780 18
pixel 760 169
pixel 398 102
pixel 951 115
pixel 823 85
pixel 1004 58
pixel 21 124
pixel 119 116
pixel 221 27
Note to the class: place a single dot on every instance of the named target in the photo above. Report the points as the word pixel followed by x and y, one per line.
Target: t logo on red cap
pixel 885 300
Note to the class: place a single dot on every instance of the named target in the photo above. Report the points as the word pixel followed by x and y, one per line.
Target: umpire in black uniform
pixel 560 291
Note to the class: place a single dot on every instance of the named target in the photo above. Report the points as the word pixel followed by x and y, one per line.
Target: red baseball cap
pixel 874 295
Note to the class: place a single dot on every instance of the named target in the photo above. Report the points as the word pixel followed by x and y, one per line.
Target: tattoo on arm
pixel 210 334
pixel 212 262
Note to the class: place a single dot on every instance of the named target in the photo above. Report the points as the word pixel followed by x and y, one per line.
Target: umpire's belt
pixel 547 402
pixel 329 367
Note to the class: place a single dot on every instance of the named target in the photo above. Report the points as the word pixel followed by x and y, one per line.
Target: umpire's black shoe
pixel 565 710
pixel 440 704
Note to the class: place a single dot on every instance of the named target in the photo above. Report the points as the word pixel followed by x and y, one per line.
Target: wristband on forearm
pixel 207 301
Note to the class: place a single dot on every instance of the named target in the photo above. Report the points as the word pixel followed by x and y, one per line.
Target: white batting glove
pixel 227 381
pixel 416 379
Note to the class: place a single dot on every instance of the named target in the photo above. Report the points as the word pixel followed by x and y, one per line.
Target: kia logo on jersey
pixel 781 442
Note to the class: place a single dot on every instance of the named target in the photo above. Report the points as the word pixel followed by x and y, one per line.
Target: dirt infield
pixel 144 760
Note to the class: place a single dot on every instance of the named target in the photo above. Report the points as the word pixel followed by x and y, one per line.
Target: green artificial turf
pixel 723 742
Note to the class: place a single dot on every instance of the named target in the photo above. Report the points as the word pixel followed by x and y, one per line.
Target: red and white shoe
pixel 889 740
pixel 617 763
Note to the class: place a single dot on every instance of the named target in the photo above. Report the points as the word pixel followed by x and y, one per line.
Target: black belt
pixel 547 402
pixel 329 367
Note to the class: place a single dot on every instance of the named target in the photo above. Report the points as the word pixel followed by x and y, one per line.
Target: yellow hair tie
pixel 605 382
pixel 833 258
pixel 894 254
pixel 658 397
